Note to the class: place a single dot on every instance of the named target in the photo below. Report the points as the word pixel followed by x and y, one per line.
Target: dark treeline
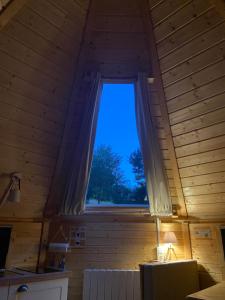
pixel 107 180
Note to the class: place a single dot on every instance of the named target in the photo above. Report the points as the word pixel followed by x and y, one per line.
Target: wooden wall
pixel 24 244
pixel 116 43
pixel 189 37
pixel 39 47
pixel 190 44
pixel 112 243
pixel 208 251
pixel 115 39
pixel 38 51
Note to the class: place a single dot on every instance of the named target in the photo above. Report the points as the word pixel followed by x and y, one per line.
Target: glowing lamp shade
pixel 169 237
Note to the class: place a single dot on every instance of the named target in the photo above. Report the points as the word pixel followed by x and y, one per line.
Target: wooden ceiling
pixel 39 49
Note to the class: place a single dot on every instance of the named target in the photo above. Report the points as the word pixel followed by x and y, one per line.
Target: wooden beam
pixel 187 241
pixel 10 11
pixel 220 6
pixel 43 244
pixel 156 73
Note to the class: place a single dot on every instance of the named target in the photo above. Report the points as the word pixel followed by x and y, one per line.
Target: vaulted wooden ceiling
pixel 45 44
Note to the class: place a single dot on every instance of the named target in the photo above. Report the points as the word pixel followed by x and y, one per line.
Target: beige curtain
pixel 74 163
pixel 156 180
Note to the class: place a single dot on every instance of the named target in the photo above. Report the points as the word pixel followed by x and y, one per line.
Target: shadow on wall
pixel 205 279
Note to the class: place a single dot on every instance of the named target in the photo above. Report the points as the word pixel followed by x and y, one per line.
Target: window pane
pixel 117 173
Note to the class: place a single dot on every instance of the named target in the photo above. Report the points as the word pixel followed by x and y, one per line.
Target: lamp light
pixel 12 192
pixel 170 238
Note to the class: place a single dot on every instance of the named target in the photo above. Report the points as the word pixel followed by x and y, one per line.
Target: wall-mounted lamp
pixel 170 239
pixel 12 192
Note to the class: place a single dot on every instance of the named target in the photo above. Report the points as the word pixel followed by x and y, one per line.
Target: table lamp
pixel 170 238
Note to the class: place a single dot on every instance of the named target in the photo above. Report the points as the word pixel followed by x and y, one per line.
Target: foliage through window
pixel 117 172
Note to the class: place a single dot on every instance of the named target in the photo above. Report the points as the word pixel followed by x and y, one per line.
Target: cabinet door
pixel 43 290
pixel 4 292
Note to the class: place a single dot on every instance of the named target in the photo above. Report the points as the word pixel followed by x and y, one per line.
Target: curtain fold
pixel 156 180
pixel 72 174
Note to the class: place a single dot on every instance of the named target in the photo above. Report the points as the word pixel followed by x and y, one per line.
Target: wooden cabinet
pixel 4 292
pixel 42 290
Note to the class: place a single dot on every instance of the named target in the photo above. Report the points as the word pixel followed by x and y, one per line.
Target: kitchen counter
pixel 18 276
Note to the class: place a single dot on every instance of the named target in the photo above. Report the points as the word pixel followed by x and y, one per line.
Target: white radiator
pixel 111 285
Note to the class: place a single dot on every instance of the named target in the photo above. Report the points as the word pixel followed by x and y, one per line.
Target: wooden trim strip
pixel 10 11
pixel 156 72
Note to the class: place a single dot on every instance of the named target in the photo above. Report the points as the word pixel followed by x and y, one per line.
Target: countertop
pixel 17 276
pixel 215 292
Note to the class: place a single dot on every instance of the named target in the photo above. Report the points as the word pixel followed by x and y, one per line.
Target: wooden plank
pixel 13 8
pixel 200 147
pixel 198 109
pixel 43 244
pixel 201 135
pixel 38 149
pixel 206 168
pixel 32 75
pixel 213 209
pixel 206 120
pixel 153 3
pixel 180 18
pixel 200 158
pixel 32 58
pixel 187 241
pixel 116 23
pixel 30 119
pixel 207 75
pixel 29 90
pixel 40 45
pixel 15 128
pixel 196 95
pixel 220 6
pixel 118 40
pixel 195 47
pixel 203 179
pixel 18 154
pixel 187 33
pixel 24 162
pixel 166 9
pixel 115 7
pixel 24 245
pixel 30 106
pixel 204 189
pixel 194 64
pixel 59 18
pixel 45 29
pixel 71 7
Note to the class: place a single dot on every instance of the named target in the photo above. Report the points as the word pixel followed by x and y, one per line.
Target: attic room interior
pixel 112 149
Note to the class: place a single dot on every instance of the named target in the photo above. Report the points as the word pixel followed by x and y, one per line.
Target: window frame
pixel 118 208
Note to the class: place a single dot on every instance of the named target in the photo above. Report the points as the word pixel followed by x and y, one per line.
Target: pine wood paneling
pixel 208 252
pixel 114 245
pixel 190 43
pixel 38 51
pixel 24 244
pixel 116 38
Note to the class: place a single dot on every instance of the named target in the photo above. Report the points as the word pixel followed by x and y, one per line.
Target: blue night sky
pixel 116 125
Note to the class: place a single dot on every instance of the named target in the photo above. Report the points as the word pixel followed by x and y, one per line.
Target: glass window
pixel 117 172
